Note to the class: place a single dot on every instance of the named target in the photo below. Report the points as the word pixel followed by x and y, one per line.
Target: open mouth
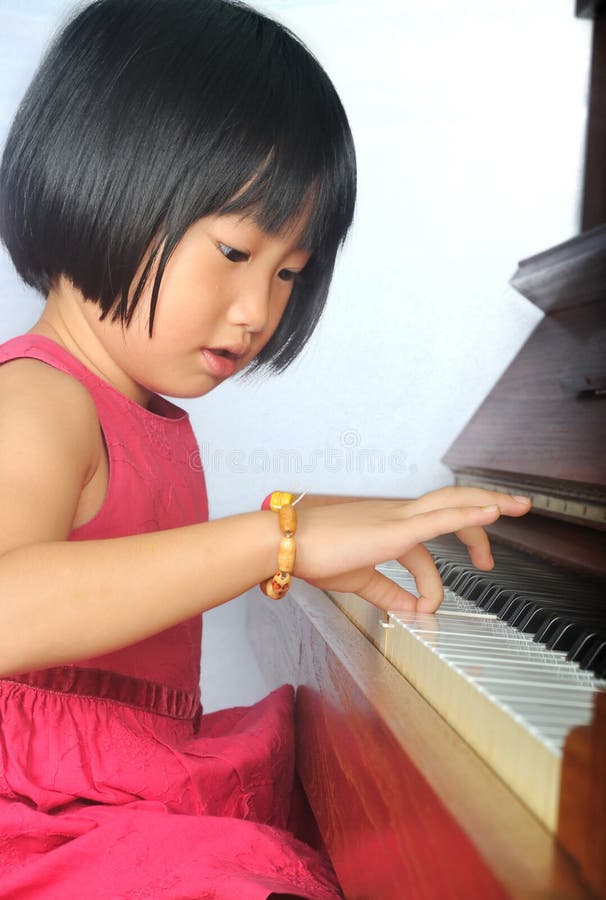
pixel 229 352
pixel 221 361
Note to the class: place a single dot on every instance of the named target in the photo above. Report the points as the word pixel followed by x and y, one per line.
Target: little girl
pixel 177 182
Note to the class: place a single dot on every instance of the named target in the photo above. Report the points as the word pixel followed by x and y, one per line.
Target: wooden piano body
pixel 405 807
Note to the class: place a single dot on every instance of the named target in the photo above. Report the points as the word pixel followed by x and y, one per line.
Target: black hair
pixel 146 115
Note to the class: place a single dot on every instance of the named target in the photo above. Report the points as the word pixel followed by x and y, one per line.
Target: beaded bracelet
pixel 282 503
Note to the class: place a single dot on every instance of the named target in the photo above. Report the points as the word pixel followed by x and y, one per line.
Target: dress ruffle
pixel 141 851
pixel 151 804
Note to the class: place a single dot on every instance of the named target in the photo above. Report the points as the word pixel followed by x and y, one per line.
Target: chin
pixel 190 393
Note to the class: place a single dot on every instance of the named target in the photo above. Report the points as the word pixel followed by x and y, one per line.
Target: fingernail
pixel 520 498
pixel 492 508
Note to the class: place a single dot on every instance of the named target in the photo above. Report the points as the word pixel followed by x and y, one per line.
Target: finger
pixel 385 594
pixel 450 497
pixel 478 546
pixel 420 564
pixel 367 582
pixel 425 526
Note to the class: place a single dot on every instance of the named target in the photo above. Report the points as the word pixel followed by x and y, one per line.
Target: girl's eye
pixel 288 275
pixel 231 254
pixel 237 256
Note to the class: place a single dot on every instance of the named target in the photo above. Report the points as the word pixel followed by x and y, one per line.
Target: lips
pixel 236 351
pixel 222 361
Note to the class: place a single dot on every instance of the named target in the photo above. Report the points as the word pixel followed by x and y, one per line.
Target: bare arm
pixel 65 601
pixel 310 500
pixel 61 601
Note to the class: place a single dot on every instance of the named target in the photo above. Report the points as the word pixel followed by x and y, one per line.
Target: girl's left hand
pixel 386 594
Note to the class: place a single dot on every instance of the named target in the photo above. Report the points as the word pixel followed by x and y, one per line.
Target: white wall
pixel 468 119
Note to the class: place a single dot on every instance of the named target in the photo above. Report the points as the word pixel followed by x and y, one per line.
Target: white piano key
pixel 549 695
pixel 504 657
pixel 512 698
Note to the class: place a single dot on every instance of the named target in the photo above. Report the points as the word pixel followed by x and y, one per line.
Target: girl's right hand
pixel 338 546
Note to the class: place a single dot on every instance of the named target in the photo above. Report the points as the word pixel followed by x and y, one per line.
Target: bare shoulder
pixel 49 448
pixel 40 397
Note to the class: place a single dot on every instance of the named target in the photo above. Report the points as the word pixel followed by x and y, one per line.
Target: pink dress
pixel 112 783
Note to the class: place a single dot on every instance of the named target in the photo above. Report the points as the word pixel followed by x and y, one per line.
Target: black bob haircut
pixel 146 115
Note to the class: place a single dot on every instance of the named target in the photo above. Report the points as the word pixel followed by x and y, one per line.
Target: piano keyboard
pixel 511 692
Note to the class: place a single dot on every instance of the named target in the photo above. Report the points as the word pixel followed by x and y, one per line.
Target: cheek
pixel 276 317
pixel 281 304
pixel 185 306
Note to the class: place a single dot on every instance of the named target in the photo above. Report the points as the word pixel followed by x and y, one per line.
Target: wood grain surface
pixel 568 275
pixel 529 424
pixel 405 808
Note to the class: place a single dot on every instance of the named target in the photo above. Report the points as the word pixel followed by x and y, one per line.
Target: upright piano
pixel 463 755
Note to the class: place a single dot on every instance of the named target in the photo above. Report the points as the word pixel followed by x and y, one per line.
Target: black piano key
pixel 534 618
pixel 548 630
pixel 462 583
pixel 566 636
pixel 456 579
pixel 597 661
pixel 510 608
pixel 467 585
pixel 598 666
pixel 562 610
pixel 487 595
pixel 520 614
pixel 446 572
pixel 584 647
pixel 561 634
pixel 471 584
pixel 478 589
pixel 441 564
pixel 579 613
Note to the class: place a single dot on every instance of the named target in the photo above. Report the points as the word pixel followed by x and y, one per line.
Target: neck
pixel 73 323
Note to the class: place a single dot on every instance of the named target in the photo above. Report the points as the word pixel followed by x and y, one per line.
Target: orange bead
pixel 276 587
pixel 288 518
pixel 286 554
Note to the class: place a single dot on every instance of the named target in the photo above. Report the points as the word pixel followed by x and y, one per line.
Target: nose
pixel 251 305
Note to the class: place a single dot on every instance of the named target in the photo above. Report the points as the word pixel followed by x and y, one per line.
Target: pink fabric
pixel 112 783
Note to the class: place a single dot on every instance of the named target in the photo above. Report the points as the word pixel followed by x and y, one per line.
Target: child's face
pixel 222 296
